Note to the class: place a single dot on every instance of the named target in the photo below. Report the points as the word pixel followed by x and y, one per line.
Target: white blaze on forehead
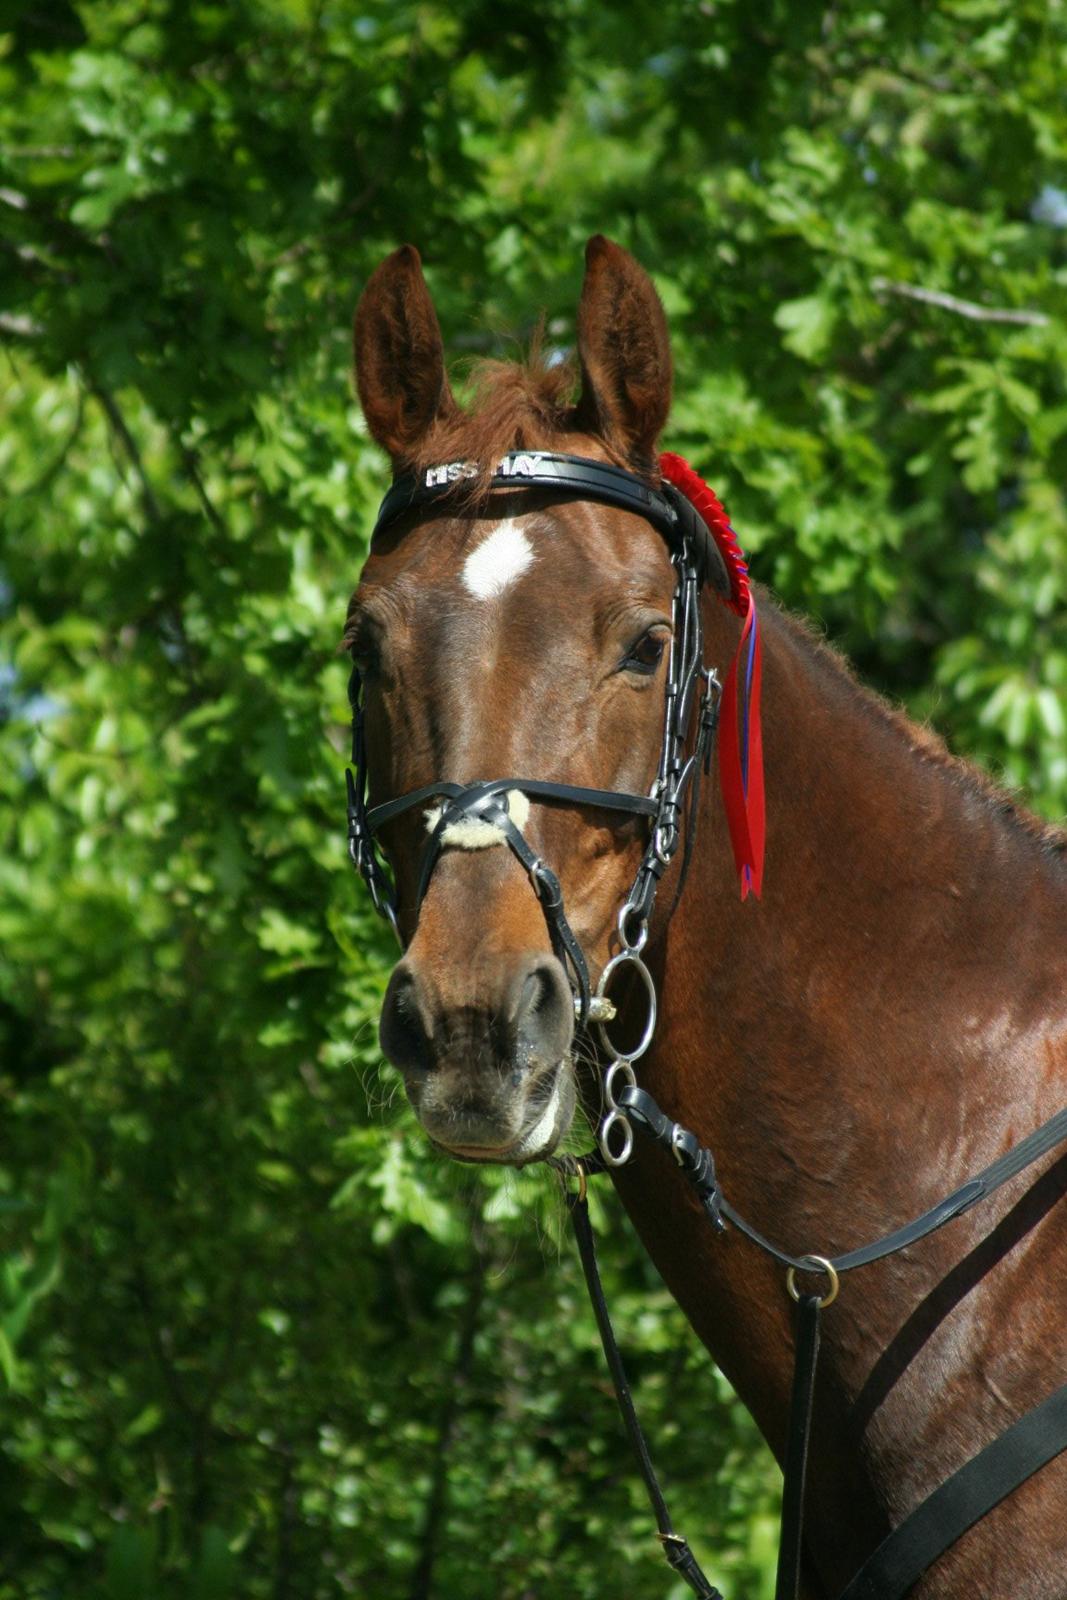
pixel 502 556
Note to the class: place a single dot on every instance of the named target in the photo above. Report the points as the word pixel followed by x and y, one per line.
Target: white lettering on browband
pixel 516 465
pixel 476 833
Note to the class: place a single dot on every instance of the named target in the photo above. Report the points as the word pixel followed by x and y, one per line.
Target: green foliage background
pixel 255 1341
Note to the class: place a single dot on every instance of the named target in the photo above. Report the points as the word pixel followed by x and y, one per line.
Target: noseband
pixel 700 553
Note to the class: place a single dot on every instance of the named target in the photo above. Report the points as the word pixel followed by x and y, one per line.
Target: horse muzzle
pixel 486 1059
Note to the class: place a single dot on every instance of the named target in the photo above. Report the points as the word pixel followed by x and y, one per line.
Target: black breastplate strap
pixel 944 1516
pixel 949 1511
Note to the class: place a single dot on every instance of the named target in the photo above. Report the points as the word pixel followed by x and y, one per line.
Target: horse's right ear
pixel 400 358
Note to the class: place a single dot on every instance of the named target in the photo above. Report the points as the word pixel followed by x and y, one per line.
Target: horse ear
pixel 625 352
pixel 400 358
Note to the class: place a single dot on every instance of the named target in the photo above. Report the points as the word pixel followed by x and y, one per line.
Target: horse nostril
pixel 543 1019
pixel 402 1030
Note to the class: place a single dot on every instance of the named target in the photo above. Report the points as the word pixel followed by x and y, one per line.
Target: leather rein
pixel 702 552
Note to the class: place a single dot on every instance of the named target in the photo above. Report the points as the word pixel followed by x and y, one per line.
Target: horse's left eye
pixel 647 653
pixel 365 658
pixel 362 640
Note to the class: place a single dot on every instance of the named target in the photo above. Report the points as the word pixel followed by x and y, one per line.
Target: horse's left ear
pixel 625 353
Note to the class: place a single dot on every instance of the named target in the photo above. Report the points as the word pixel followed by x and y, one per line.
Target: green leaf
pixel 8 1363
pixel 215 1573
pixel 808 324
pixel 131 1563
pixel 1050 706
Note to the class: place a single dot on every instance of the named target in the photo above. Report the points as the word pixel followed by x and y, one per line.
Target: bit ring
pixel 628 958
pixel 619 1158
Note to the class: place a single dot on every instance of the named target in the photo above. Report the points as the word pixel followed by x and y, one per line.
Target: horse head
pixel 505 632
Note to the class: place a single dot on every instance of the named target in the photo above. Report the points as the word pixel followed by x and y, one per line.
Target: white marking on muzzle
pixel 539 1135
pixel 476 833
pixel 502 556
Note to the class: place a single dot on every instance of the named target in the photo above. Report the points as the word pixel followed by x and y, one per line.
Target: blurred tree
pixel 256 1340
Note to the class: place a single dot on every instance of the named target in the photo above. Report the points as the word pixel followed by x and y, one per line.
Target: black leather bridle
pixel 697 560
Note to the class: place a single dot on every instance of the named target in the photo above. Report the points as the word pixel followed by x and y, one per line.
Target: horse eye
pixel 647 653
pixel 363 646
pixel 366 660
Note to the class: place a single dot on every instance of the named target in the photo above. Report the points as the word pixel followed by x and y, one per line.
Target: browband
pixel 669 511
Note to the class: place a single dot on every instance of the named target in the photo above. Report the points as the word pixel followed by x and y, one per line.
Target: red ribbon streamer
pixel 741 782
pixel 744 802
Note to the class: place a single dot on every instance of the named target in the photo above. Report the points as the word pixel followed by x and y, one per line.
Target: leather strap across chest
pixel 1034 1439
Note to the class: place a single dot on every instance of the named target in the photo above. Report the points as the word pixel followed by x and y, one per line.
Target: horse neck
pixel 895 887
pixel 831 1042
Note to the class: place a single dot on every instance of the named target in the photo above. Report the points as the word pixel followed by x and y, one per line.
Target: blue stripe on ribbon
pixel 746 703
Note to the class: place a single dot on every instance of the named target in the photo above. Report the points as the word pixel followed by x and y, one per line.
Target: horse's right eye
pixel 647 653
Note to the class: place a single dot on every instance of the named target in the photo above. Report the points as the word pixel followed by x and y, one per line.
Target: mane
pixel 515 405
pixel 929 747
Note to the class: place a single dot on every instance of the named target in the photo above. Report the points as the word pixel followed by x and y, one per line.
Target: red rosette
pixel 677 470
pixel 740 730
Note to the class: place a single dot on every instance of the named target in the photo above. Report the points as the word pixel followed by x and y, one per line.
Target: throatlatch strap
pixel 944 1516
pixel 741 756
pixel 675 1548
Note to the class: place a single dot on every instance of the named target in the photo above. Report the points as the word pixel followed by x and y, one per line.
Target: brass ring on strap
pixel 815 1264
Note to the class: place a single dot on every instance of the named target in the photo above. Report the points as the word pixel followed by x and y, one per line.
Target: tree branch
pixel 962 308
pixel 191 463
pixel 288 1508
pixel 146 1305
pixel 129 443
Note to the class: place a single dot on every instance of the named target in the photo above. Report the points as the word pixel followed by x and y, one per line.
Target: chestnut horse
pixel 887 1018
